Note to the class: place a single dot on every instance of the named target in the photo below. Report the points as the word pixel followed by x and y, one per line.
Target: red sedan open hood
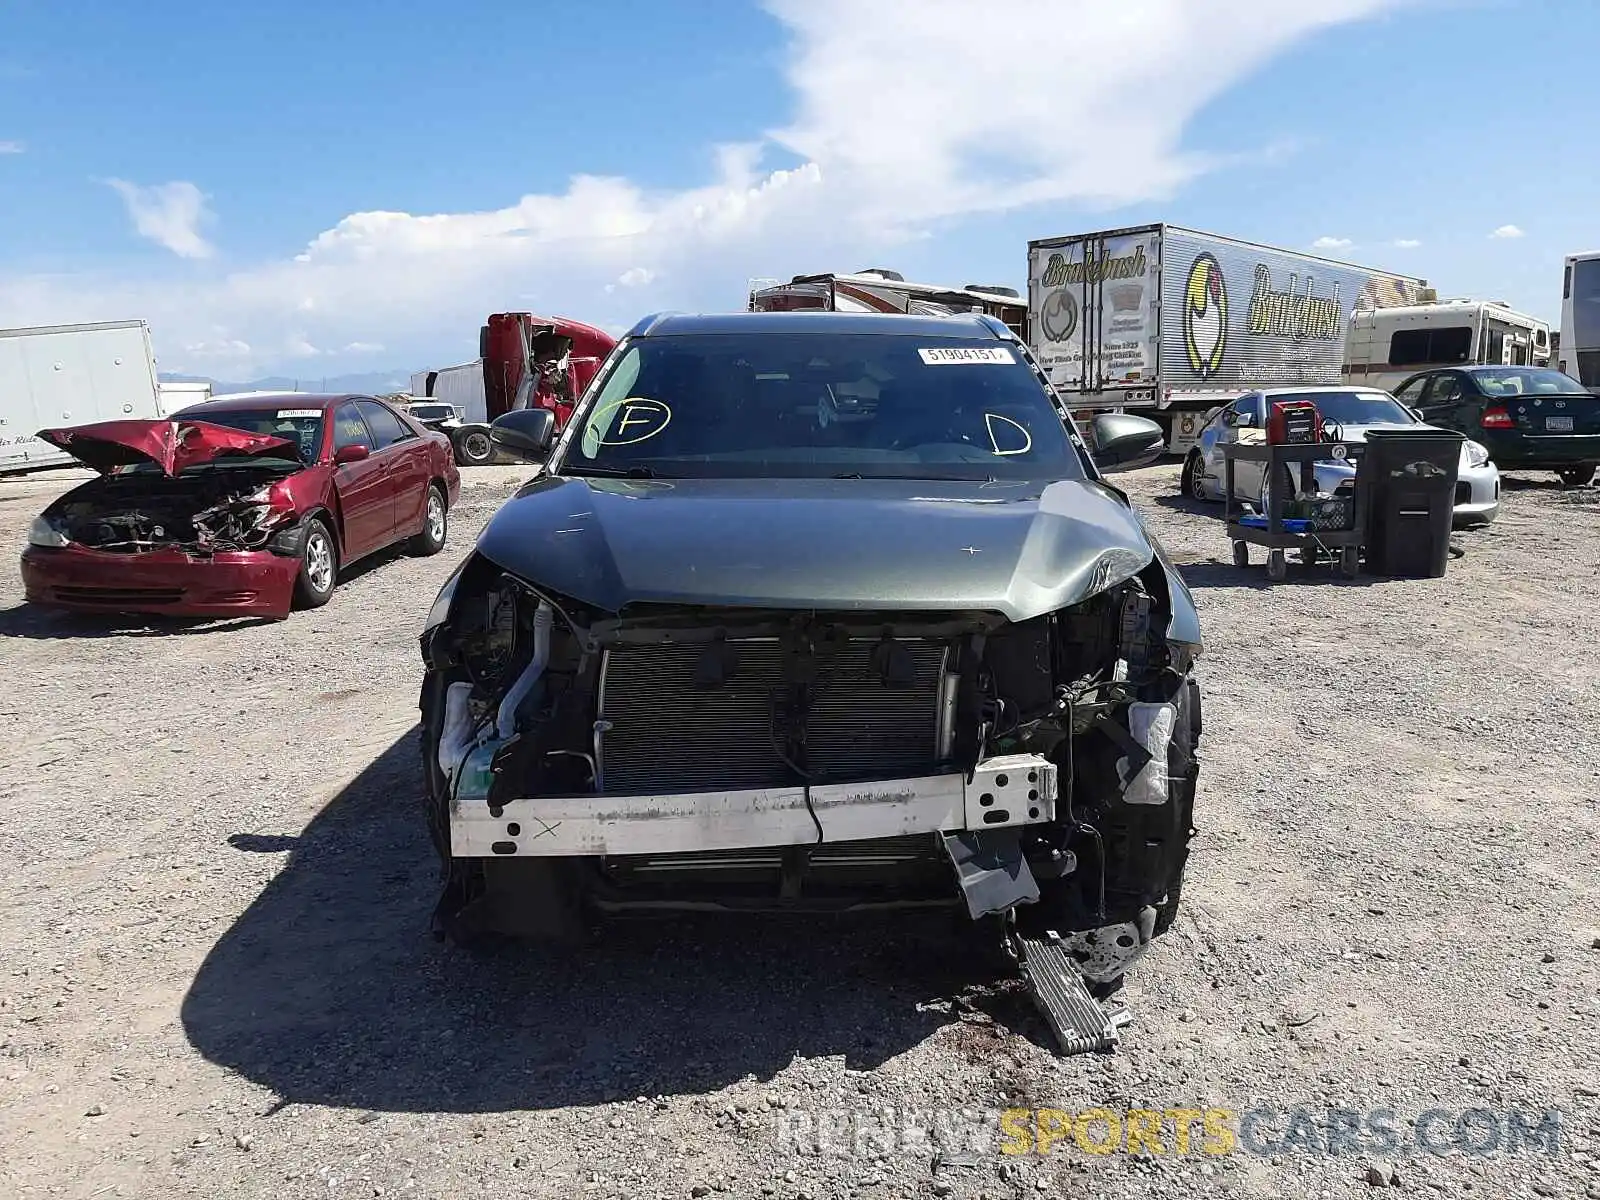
pixel 171 445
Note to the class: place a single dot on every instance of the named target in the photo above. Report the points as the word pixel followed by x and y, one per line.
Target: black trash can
pixel 1410 479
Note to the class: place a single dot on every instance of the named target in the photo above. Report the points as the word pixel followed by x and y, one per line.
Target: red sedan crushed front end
pixel 186 519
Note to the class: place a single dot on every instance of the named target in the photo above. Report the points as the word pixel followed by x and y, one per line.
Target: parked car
pixel 238 507
pixel 1354 410
pixel 727 652
pixel 1530 418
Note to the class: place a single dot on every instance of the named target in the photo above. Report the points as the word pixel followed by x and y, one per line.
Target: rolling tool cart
pixel 1296 516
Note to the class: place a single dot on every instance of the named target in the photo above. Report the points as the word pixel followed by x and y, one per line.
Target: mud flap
pixel 994 876
pixel 1080 1024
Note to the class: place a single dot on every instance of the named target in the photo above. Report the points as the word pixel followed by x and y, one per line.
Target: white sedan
pixel 1354 410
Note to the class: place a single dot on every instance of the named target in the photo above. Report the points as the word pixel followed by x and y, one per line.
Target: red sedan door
pixel 406 455
pixel 365 494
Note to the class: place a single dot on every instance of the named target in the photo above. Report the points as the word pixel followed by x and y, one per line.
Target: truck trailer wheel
pixel 473 447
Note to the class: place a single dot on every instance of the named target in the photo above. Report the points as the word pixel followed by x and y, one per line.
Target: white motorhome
pixel 54 376
pixel 1580 319
pixel 1386 346
pixel 883 291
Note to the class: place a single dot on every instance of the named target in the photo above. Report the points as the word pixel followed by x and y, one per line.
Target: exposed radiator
pixel 666 734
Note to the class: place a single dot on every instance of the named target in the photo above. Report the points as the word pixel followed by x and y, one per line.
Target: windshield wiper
pixel 637 472
pixel 917 478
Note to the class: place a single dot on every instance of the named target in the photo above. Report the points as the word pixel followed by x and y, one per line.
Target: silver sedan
pixel 1354 410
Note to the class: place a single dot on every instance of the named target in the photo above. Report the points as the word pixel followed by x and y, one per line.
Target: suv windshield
pixel 803 405
pixel 1353 408
pixel 1522 381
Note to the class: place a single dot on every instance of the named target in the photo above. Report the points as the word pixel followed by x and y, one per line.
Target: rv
pixel 883 291
pixel 1386 346
pixel 1579 355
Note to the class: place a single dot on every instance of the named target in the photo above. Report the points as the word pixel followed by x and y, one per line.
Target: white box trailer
pixel 460 385
pixel 60 375
pixel 177 395
pixel 1176 322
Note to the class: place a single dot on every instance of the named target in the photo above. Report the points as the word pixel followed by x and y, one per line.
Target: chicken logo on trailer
pixel 1059 317
pixel 1205 316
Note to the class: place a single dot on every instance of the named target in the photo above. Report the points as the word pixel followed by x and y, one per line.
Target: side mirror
pixel 1123 441
pixel 345 455
pixel 1416 412
pixel 525 433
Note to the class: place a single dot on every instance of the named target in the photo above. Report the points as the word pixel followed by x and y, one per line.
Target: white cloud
pixel 225 348
pixel 1406 243
pixel 169 214
pixel 1332 243
pixel 12 147
pixel 1507 231
pixel 364 348
pixel 879 149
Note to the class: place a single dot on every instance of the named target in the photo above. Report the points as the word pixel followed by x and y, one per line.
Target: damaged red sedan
pixel 243 507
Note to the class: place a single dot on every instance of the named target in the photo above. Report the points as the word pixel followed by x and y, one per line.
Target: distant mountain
pixel 373 382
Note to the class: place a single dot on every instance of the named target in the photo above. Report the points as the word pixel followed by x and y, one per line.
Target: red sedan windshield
pixel 302 426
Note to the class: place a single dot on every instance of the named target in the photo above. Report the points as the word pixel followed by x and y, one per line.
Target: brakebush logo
pixel 1059 270
pixel 1205 316
pixel 1292 314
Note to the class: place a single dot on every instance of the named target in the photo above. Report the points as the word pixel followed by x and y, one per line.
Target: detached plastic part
pixel 992 872
pixel 1152 727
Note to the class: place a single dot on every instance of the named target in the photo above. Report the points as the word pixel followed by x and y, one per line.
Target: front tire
pixel 319 565
pixel 435 525
pixel 1577 476
pixel 1193 479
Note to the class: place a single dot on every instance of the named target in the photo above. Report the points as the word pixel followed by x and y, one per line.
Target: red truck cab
pixel 531 361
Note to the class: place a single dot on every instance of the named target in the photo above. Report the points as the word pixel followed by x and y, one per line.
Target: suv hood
pixel 170 445
pixel 1019 549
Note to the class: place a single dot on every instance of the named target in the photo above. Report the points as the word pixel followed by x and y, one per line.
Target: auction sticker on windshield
pixel 289 413
pixel 951 355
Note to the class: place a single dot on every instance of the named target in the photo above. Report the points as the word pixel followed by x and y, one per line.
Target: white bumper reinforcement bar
pixel 1010 790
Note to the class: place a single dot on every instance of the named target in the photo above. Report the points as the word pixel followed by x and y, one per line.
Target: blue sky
pixel 352 186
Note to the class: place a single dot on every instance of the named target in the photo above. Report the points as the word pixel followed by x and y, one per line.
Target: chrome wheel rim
pixel 1197 487
pixel 435 517
pixel 319 562
pixel 476 445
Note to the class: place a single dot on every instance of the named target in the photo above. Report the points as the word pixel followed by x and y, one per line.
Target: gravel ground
pixel 218 983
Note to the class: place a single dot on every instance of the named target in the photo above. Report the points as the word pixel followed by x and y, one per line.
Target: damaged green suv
pixel 817 612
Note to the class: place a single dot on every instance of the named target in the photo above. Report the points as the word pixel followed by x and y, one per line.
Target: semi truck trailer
pixel 1171 322
pixel 64 375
